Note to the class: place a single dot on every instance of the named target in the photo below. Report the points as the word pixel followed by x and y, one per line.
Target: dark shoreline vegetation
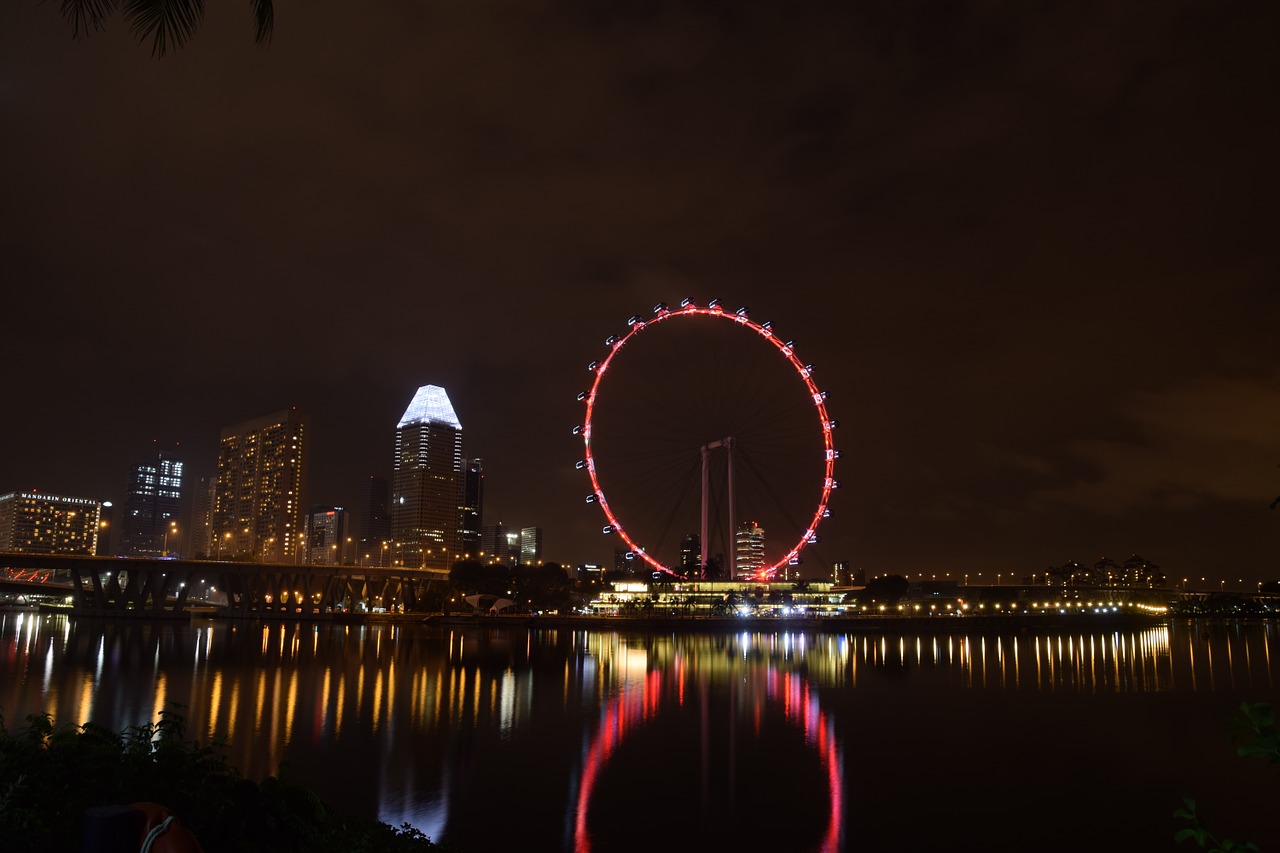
pixel 50 774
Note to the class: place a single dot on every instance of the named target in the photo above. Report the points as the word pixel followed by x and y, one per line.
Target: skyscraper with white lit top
pixel 426 488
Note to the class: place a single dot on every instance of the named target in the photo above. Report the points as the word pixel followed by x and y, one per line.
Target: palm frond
pixel 165 22
pixel 265 16
pixel 86 15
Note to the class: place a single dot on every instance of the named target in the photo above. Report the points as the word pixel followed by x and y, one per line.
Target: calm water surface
pixel 517 739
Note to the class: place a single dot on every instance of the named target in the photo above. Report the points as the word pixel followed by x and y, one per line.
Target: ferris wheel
pixel 708 444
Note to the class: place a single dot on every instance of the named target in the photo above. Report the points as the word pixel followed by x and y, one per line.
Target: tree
pixel 545 587
pixel 469 577
pixel 888 589
pixel 165 23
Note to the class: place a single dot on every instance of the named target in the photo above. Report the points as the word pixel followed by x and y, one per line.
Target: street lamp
pixel 172 528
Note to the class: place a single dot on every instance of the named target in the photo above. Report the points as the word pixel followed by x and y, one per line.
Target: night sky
pixel 1029 246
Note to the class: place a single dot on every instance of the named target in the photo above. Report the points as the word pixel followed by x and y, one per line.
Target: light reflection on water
pixel 437 727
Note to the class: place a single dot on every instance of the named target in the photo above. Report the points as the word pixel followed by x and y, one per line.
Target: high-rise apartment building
pixel 257 495
pixel 530 546
pixel 35 523
pixel 326 536
pixel 748 548
pixel 471 513
pixel 426 489
pixel 148 523
pixel 375 523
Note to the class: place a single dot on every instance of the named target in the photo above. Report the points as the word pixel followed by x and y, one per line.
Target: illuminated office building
pixel 148 524
pixel 471 513
pixel 500 544
pixel 426 489
pixel 326 536
pixel 691 555
pixel 748 548
pixel 257 496
pixel 530 546
pixel 35 523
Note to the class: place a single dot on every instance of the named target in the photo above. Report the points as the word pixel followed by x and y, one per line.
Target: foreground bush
pixel 50 774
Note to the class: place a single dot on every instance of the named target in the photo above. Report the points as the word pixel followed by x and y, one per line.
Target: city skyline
pixel 1026 251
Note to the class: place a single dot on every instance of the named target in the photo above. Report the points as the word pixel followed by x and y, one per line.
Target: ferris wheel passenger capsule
pixel 582 395
pixel 832 424
pixel 713 304
pixel 577 430
pixel 582 463
pixel 591 498
pixel 744 311
pixel 611 340
pixel 633 319
pixel 687 302
pixel 660 308
pixel 591 368
pixel 607 529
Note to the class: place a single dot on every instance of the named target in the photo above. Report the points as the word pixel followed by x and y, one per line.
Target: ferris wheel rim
pixel 787 349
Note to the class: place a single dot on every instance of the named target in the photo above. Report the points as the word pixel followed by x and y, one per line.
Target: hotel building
pixel 35 523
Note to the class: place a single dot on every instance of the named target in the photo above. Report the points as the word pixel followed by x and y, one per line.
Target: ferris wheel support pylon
pixel 732 558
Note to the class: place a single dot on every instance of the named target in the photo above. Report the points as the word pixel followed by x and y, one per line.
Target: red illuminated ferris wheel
pixel 708 444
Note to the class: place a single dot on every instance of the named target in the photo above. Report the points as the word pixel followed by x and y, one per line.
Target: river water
pixel 509 738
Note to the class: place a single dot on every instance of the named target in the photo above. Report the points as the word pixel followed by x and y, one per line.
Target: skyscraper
pixel 257 497
pixel 35 523
pixel 499 544
pixel 426 489
pixel 326 536
pixel 530 546
pixel 375 523
pixel 748 548
pixel 148 525
pixel 201 537
pixel 471 513
pixel 691 556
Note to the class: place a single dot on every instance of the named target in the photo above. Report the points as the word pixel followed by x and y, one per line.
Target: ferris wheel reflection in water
pixel 758 690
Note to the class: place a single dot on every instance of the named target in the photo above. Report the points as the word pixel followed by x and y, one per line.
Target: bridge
pixel 152 587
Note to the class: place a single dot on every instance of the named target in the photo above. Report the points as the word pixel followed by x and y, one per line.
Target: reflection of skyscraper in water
pixel 426 489
pixel 748 548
